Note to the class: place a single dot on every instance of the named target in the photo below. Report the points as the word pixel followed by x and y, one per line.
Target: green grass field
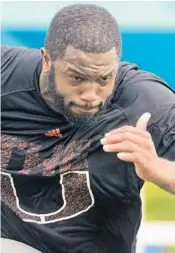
pixel 159 206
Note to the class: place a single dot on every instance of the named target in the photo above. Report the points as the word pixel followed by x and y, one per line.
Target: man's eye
pixel 104 79
pixel 77 78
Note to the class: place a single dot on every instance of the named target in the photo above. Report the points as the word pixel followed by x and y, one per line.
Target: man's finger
pixel 143 121
pixel 127 130
pixel 127 157
pixel 125 146
pixel 142 141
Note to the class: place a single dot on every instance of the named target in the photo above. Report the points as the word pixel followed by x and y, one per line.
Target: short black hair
pixel 87 27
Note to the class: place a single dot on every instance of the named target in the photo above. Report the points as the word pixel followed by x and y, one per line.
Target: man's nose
pixel 89 94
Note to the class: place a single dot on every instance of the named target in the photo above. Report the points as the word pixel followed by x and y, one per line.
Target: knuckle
pixel 129 143
pixel 148 135
pixel 122 137
pixel 125 128
pixel 127 136
pixel 136 156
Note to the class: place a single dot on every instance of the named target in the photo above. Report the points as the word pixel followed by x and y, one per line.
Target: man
pixel 66 188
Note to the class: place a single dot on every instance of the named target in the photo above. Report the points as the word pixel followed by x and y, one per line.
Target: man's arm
pixel 164 175
pixel 135 144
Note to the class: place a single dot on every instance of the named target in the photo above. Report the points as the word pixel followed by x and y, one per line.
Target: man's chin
pixel 83 116
pixel 80 118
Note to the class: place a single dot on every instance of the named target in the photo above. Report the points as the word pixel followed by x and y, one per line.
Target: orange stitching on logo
pixel 54 133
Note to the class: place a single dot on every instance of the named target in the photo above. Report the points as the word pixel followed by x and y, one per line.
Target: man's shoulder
pixel 133 78
pixel 10 53
pixel 139 91
pixel 18 65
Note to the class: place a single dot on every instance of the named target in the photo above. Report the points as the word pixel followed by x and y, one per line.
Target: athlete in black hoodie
pixel 66 188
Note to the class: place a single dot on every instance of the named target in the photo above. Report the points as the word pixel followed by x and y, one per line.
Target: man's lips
pixel 86 107
pixel 86 110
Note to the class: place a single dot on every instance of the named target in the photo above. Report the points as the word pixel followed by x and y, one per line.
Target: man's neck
pixel 44 89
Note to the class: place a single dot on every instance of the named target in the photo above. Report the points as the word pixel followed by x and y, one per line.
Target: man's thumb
pixel 143 121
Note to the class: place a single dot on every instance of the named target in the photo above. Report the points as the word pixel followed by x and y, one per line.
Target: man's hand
pixel 134 144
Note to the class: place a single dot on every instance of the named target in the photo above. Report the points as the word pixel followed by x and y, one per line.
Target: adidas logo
pixel 54 133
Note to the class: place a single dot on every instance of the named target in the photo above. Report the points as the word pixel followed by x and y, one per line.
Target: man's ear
pixel 46 60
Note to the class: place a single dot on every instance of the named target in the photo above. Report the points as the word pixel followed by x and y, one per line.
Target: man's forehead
pixel 88 63
pixel 75 55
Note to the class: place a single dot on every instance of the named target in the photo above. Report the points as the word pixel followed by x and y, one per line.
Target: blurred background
pixel 148 33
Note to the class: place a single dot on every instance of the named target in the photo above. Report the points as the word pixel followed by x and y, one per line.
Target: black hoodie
pixel 64 193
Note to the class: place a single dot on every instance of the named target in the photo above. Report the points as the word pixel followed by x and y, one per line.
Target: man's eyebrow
pixel 76 71
pixel 107 74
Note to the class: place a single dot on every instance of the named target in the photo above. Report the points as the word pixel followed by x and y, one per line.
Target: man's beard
pixel 65 110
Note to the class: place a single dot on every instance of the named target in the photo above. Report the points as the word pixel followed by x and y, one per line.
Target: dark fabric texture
pixel 65 194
